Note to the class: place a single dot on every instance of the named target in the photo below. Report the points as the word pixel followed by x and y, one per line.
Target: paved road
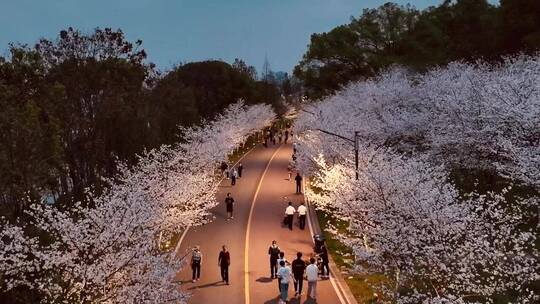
pixel 266 180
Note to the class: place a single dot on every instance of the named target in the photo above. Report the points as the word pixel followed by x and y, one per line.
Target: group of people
pixel 289 215
pixel 274 136
pixel 296 271
pixel 233 174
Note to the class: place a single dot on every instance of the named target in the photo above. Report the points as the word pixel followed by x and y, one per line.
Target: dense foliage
pixel 394 34
pixel 73 107
pixel 108 252
pixel 405 217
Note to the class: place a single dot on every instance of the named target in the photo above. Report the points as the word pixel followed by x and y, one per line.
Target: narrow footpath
pixel 260 198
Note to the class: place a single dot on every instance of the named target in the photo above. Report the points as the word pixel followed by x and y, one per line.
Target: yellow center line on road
pixel 246 249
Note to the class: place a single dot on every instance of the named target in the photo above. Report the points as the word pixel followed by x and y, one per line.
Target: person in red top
pixel 224 261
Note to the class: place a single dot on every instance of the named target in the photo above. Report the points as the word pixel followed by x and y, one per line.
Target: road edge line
pixel 246 247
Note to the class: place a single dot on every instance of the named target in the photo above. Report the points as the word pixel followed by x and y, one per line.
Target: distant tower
pixel 265 74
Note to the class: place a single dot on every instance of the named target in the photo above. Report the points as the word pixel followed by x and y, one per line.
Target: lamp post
pixel 355 141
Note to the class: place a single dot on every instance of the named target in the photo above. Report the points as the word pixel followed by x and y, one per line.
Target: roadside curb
pixel 342 286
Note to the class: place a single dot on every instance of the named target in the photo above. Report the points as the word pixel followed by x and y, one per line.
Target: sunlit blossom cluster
pixel 404 217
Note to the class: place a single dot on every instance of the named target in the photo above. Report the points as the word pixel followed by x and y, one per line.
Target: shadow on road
pixel 217 283
pixel 291 301
pixel 264 280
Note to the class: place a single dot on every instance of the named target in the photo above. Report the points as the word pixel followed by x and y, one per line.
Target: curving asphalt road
pixel 260 196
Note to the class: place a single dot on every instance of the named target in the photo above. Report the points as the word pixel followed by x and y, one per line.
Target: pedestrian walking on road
pixel 302 212
pixel 289 172
pixel 286 135
pixel 285 276
pixel 289 213
pixel 325 268
pixel 273 252
pixel 298 268
pixel 224 261
pixel 196 262
pixel 229 201
pixel 234 175
pixel 280 136
pixel 312 275
pixel 284 260
pixel 298 180
pixel 240 169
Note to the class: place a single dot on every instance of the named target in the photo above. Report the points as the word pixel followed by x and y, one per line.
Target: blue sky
pixel 175 31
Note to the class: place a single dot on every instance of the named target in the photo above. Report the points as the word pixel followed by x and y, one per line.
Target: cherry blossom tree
pixel 403 217
pixel 107 251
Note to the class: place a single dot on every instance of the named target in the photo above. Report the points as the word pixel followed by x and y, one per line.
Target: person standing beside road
pixel 286 135
pixel 273 252
pixel 196 262
pixel 280 136
pixel 298 267
pixel 312 274
pixel 234 175
pixel 325 262
pixel 240 169
pixel 289 212
pixel 298 180
pixel 302 212
pixel 284 274
pixel 229 201
pixel 224 261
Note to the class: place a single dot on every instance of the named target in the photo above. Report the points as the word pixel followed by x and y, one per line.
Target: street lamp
pixel 355 141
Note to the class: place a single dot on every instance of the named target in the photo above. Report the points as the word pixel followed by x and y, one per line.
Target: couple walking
pixel 224 261
pixel 302 213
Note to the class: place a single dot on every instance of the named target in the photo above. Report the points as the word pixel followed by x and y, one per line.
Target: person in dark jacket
pixel 273 252
pixel 298 268
pixel 325 271
pixel 224 261
pixel 240 169
pixel 298 180
pixel 229 201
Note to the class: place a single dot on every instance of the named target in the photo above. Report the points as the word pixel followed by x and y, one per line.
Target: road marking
pixel 223 178
pixel 335 284
pixel 246 248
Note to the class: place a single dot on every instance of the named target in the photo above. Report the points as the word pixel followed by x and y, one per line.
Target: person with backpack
pixel 285 275
pixel 312 275
pixel 273 252
pixel 298 267
pixel 196 262
pixel 229 201
pixel 298 180
pixel 224 261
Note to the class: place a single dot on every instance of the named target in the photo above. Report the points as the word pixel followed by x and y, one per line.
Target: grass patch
pixel 359 284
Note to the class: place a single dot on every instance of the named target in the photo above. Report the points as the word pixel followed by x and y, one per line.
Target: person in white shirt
pixel 312 273
pixel 281 259
pixel 289 212
pixel 285 276
pixel 302 212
